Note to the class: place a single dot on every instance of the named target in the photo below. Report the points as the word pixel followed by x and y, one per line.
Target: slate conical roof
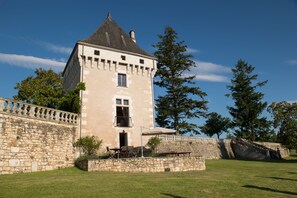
pixel 111 35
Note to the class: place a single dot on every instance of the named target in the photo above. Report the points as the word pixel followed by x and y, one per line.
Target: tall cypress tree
pixel 248 105
pixel 183 99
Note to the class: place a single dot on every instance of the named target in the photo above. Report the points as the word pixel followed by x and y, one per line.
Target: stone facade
pixel 118 100
pixel 209 148
pixel 168 164
pixel 30 144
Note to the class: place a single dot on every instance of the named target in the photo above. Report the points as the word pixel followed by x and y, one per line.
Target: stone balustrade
pixel 17 108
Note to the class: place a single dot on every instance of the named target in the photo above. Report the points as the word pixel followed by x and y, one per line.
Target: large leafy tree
pixel 183 99
pixel 285 121
pixel 215 125
pixel 71 100
pixel 45 88
pixel 248 104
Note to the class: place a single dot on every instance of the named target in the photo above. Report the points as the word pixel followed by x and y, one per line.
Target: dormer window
pixel 123 57
pixel 141 61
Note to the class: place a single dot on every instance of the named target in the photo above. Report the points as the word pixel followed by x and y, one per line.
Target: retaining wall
pixel 28 145
pixel 283 150
pixel 209 148
pixel 168 164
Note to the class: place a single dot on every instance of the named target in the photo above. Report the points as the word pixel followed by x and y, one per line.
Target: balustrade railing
pixel 33 111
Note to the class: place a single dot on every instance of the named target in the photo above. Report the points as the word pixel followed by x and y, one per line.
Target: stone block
pixel 14 149
pixel 14 162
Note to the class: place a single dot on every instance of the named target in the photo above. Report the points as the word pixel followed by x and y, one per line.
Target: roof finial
pixel 109 15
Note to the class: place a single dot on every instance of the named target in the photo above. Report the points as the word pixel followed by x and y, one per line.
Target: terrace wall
pixel 32 139
pixel 209 148
pixel 168 164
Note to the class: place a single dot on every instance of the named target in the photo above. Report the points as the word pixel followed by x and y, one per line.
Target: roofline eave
pixel 116 50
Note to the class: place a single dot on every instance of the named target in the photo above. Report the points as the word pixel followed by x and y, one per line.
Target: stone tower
pixel 118 101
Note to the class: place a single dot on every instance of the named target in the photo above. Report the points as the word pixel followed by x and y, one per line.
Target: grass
pixel 223 178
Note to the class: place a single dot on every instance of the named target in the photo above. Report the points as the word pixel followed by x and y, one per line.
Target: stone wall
pixel 30 144
pixel 209 148
pixel 168 164
pixel 283 150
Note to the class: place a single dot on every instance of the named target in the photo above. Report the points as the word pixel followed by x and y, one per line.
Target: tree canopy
pixel 71 100
pixel 183 99
pixel 285 121
pixel 215 125
pixel 248 105
pixel 44 89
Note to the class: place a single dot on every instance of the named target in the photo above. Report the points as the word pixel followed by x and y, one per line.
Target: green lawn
pixel 223 178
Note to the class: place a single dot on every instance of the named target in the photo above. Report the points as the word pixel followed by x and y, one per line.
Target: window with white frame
pixel 122 113
pixel 122 80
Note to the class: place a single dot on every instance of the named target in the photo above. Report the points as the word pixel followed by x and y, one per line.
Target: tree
pixel 153 143
pixel 71 100
pixel 216 124
pixel 89 144
pixel 248 106
pixel 44 89
pixel 183 100
pixel 285 120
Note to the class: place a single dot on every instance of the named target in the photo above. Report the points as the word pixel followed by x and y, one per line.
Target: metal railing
pixel 123 121
pixel 17 108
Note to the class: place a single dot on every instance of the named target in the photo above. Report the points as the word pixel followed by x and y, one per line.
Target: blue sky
pixel 37 33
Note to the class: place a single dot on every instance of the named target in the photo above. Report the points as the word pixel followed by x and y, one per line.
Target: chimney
pixel 132 35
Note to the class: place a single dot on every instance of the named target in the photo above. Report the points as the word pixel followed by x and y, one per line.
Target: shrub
pixel 153 143
pixel 89 144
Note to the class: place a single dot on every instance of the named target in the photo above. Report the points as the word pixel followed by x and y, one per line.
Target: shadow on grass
pixel 271 161
pixel 269 189
pixel 281 178
pixel 292 172
pixel 171 195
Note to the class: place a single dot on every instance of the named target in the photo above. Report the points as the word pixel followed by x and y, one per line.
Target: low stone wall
pixel 167 164
pixel 28 144
pixel 208 148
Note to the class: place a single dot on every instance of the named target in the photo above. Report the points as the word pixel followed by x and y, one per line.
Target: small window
pixel 118 101
pixel 126 102
pixel 123 57
pixel 122 80
pixel 96 52
pixel 141 61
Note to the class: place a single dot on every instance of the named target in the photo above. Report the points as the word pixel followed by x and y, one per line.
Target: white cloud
pixel 292 62
pixel 31 62
pixel 55 48
pixel 191 50
pixel 212 77
pixel 211 67
pixel 211 72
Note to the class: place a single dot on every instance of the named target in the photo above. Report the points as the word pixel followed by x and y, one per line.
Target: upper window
pixel 96 52
pixel 141 61
pixel 123 57
pixel 122 80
